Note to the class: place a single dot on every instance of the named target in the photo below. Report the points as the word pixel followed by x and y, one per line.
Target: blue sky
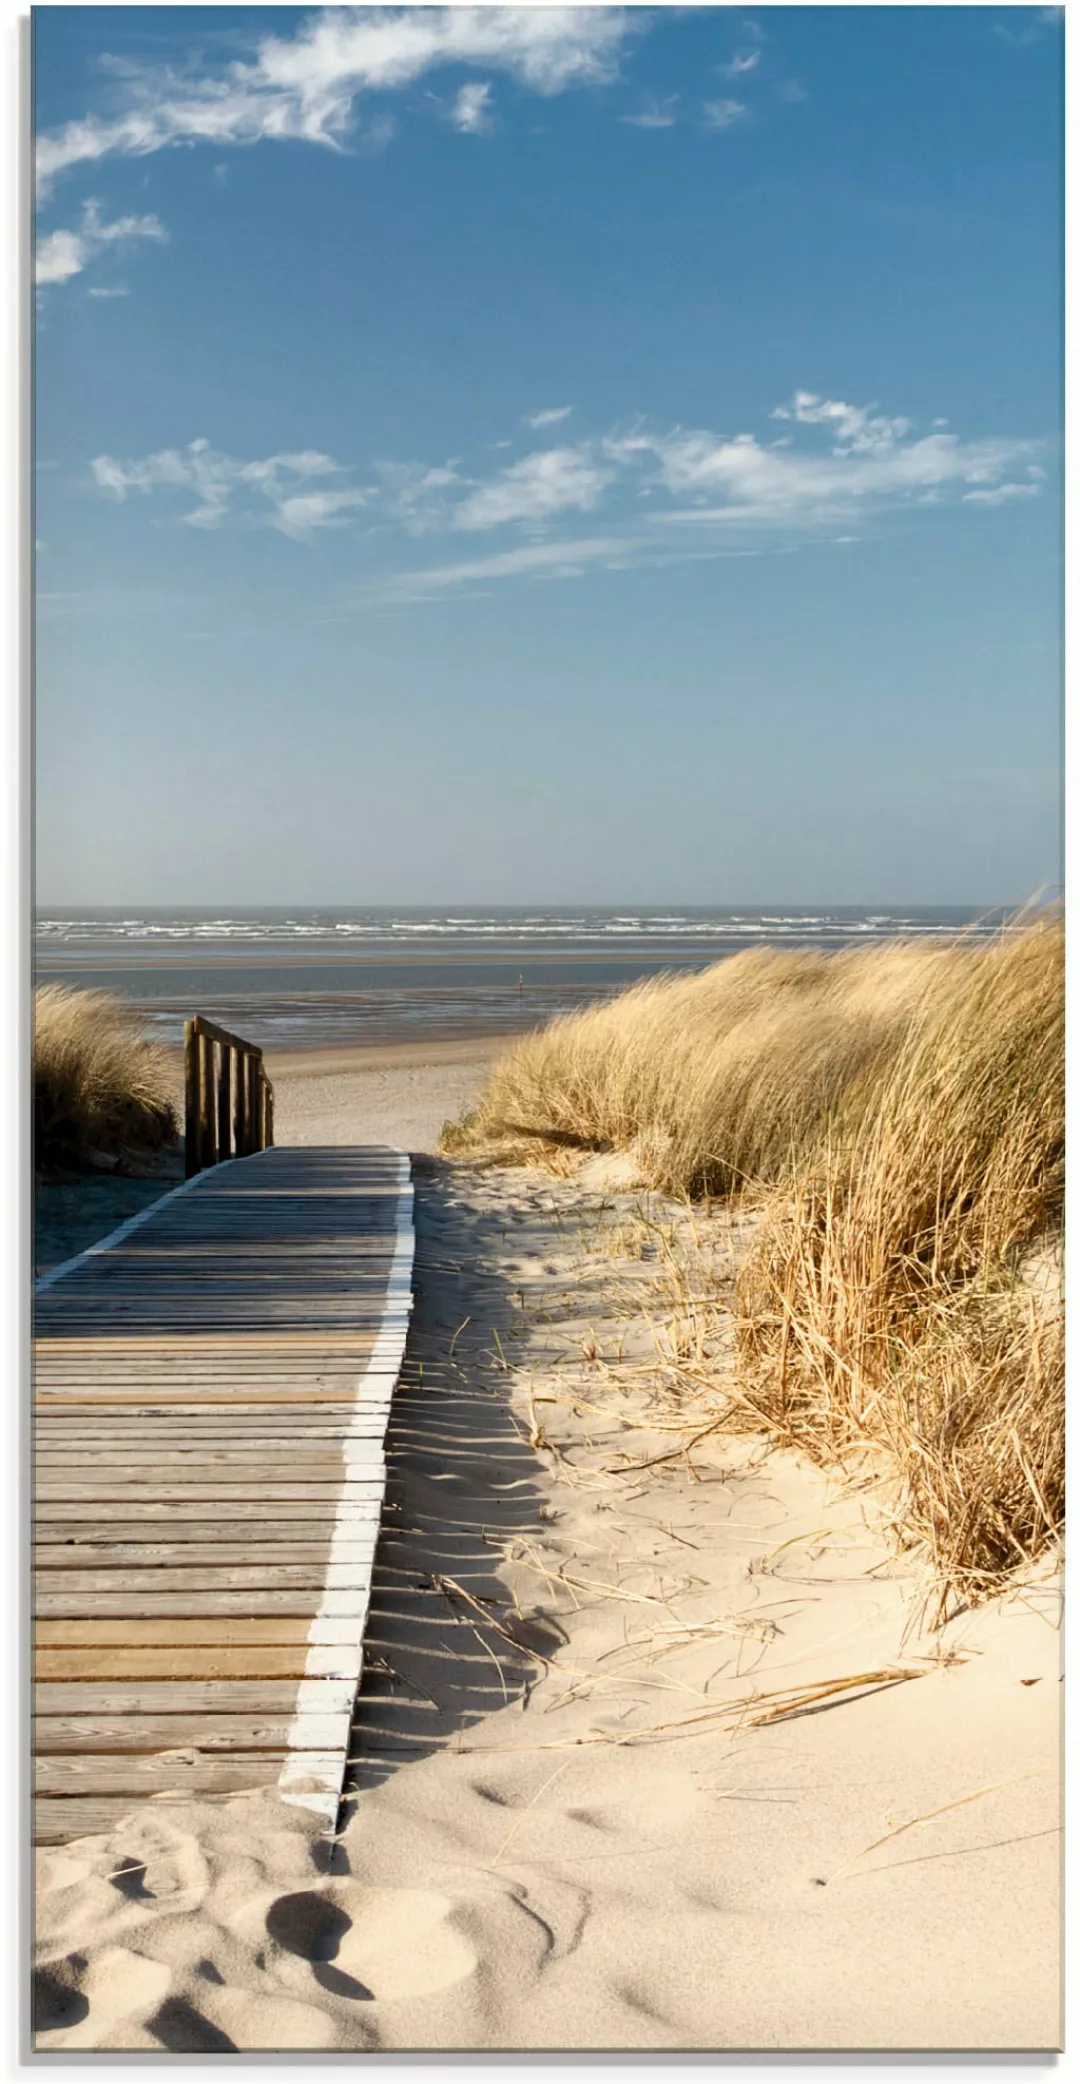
pixel 537 455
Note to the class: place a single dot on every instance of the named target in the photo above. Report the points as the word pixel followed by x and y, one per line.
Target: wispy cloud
pixel 472 110
pixel 531 492
pixel 657 113
pixel 720 115
pixel 63 254
pixel 216 479
pixel 308 85
pixel 1038 19
pixel 742 63
pixel 549 417
pixel 858 428
pixel 870 464
pixel 999 495
pixel 421 495
pixel 834 466
pixel 564 560
pixel 299 514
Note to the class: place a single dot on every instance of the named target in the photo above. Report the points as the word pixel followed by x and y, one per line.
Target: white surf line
pixel 104 1244
pixel 318 1740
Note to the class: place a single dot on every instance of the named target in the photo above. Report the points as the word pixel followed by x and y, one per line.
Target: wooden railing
pixel 228 1098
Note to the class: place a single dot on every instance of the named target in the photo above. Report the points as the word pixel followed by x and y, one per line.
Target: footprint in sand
pixel 145 1868
pixel 183 2029
pixel 373 1944
pixel 253 2020
pixel 79 2004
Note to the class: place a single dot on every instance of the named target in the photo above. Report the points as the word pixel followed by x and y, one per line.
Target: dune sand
pixel 571 1824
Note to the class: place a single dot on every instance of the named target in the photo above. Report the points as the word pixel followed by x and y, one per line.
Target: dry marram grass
pixel 713 1080
pixel 899 1111
pixel 98 1084
pixel 904 1288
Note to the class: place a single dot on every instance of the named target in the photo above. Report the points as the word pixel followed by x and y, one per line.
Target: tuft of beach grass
pixel 99 1085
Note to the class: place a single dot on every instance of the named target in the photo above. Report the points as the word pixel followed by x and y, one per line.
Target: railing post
pixel 247 1074
pixel 192 1108
pixel 237 1063
pixel 223 1103
pixel 208 1111
pixel 228 1098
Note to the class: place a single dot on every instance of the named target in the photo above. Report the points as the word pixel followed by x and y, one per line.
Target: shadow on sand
pixel 445 1644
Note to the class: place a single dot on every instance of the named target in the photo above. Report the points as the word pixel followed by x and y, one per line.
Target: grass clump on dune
pixel 714 1081
pixel 898 1111
pixel 99 1086
pixel 904 1287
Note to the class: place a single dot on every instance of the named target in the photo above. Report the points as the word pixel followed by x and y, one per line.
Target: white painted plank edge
pixel 384 1365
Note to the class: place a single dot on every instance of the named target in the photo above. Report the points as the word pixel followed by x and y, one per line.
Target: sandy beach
pixel 653 1749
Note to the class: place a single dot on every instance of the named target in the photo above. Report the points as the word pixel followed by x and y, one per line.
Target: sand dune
pixel 570 1822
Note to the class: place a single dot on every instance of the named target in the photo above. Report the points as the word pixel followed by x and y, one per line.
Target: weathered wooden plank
pixel 144 1734
pixel 270 1488
pixel 188 1661
pixel 76 1514
pixel 211 1427
pixel 50 1604
pixel 198 1461
pixel 192 1696
pixel 57 1822
pixel 191 1772
pixel 233 1347
pixel 113 1399
pixel 226 1578
pixel 214 1554
pixel 131 1630
pixel 105 1547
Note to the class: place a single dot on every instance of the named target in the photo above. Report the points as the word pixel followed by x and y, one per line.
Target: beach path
pixel 212 1387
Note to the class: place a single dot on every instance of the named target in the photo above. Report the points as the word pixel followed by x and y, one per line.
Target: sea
pixel 342 977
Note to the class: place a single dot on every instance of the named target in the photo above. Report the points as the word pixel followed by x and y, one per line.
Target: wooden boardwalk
pixel 212 1387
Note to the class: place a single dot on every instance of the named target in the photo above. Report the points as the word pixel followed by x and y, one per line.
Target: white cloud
pixel 1017 37
pixel 742 63
pixel 738 479
pixel 214 478
pixel 299 513
pixel 563 560
pixel 857 427
pixel 658 113
pixel 997 495
pixel 550 481
pixel 118 291
pixel 62 254
pixel 420 494
pixel 307 85
pixel 548 418
pixel 471 111
pixel 836 465
pixel 720 115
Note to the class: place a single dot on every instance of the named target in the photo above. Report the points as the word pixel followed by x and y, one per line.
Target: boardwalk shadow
pixel 445 1644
